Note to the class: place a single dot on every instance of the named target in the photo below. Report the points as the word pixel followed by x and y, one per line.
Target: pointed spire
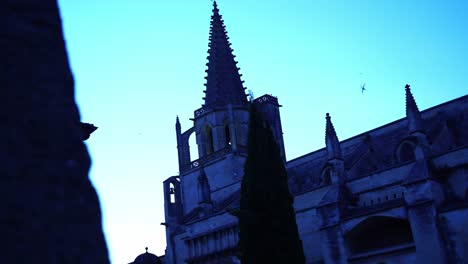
pixel 412 112
pixel 331 140
pixel 177 124
pixel 223 81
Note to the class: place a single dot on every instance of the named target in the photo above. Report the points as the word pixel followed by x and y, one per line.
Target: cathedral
pixel 395 194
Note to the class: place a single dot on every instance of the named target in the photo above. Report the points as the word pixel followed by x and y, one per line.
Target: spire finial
pixel 412 112
pixel 177 123
pixel 329 128
pixel 331 139
pixel 223 81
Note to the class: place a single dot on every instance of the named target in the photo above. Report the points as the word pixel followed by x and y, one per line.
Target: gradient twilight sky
pixel 138 64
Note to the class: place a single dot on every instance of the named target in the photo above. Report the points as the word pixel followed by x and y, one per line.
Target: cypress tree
pixel 267 224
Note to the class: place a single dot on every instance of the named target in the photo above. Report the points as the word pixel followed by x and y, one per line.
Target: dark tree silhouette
pixel 267 225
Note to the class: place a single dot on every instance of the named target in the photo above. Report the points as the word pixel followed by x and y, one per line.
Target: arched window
pixel 378 233
pixel 405 151
pixel 203 188
pixel 227 133
pixel 172 193
pixel 209 148
pixel 193 147
pixel 326 176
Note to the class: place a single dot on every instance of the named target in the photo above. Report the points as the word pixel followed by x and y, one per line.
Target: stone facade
pixel 50 211
pixel 394 194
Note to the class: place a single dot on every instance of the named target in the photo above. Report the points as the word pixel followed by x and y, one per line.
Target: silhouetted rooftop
pixel 147 258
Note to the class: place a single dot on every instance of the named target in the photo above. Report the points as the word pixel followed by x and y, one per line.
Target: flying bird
pixel 363 87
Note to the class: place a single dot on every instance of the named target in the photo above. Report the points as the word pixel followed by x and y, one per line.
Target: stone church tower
pixel 394 194
pixel 209 185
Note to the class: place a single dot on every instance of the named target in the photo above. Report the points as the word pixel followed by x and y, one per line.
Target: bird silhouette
pixel 363 87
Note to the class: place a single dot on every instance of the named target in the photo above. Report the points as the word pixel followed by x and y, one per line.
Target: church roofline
pixel 345 141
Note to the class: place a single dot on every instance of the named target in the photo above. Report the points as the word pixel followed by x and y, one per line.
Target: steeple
pixel 331 140
pixel 412 112
pixel 223 81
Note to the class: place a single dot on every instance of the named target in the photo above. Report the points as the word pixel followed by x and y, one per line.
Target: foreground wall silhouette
pixel 49 210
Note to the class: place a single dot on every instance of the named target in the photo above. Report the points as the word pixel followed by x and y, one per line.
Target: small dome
pixel 147 258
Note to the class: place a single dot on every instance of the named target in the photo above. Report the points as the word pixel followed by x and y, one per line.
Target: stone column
pixel 201 142
pixel 422 194
pixel 218 137
pixel 232 128
pixel 426 234
pixel 329 211
pixel 332 241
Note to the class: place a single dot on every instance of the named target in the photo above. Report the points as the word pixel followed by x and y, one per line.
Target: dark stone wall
pixel 49 211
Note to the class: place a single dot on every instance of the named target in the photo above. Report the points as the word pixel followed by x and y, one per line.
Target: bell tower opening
pixel 193 147
pixel 228 135
pixel 209 148
pixel 172 198
pixel 172 193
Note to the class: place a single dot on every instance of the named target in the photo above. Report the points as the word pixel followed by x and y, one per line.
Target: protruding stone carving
pixel 331 140
pixel 412 112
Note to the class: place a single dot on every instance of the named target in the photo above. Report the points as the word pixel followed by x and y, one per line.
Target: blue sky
pixel 138 64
